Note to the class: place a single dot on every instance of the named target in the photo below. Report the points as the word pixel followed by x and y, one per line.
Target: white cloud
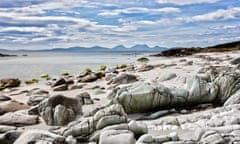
pixel 219 15
pixel 222 14
pixel 139 10
pixel 185 2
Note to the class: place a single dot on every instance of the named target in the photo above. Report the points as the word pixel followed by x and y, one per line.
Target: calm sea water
pixel 35 64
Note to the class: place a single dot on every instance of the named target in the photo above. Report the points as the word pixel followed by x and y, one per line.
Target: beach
pixel 176 122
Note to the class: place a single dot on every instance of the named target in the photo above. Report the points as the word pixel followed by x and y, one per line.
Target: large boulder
pixel 58 109
pixel 11 82
pixel 103 118
pixel 40 137
pixel 145 96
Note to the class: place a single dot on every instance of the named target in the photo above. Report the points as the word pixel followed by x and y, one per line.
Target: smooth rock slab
pixel 40 137
pixel 11 106
pixel 18 119
pixel 117 136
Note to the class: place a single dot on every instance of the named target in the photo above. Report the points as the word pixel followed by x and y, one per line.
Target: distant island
pixel 6 55
pixel 179 52
pixel 119 48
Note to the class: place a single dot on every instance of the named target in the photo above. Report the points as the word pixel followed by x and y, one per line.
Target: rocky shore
pixel 183 100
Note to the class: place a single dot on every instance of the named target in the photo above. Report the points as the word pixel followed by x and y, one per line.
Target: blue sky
pixel 41 24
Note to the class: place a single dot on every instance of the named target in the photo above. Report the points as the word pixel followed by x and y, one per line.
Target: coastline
pixel 168 72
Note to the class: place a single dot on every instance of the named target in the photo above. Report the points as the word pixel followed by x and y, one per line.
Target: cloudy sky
pixel 38 24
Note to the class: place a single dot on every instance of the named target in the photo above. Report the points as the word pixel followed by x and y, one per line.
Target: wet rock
pixel 110 76
pixel 59 82
pixel 84 98
pixel 88 78
pixel 40 136
pixel 7 83
pixel 11 106
pixel 62 87
pixel 18 119
pixel 58 109
pixel 120 136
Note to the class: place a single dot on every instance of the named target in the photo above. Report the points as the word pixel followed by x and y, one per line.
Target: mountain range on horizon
pixel 119 48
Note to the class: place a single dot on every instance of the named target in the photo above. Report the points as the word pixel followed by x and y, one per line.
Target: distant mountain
pixel 119 48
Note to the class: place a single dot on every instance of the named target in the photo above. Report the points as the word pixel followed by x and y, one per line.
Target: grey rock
pixel 18 119
pixel 58 109
pixel 9 137
pixel 120 136
pixel 167 76
pixel 59 82
pixel 235 61
pixel 4 98
pixel 36 96
pixel 145 68
pixel 62 87
pixel 145 96
pixel 84 98
pixel 11 106
pixel 123 78
pixel 4 128
pixel 40 136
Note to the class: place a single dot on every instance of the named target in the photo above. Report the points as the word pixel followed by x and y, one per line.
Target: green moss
pixel 88 70
pixel 65 74
pixel 34 80
pixel 102 67
pixel 143 59
pixel 44 76
pixel 121 66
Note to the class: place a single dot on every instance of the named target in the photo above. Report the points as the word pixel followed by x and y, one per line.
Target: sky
pixel 43 24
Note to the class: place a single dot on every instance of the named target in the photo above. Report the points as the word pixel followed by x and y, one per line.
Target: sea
pixel 28 65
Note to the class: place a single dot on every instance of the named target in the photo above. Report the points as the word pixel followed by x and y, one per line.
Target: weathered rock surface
pixel 62 87
pixel 4 128
pixel 235 61
pixel 11 106
pixel 167 76
pixel 91 77
pixel 145 97
pixel 7 83
pixel 36 96
pixel 4 98
pixel 18 119
pixel 9 137
pixel 119 136
pixel 58 109
pixel 123 78
pixel 40 137
pixel 84 98
pixel 144 68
